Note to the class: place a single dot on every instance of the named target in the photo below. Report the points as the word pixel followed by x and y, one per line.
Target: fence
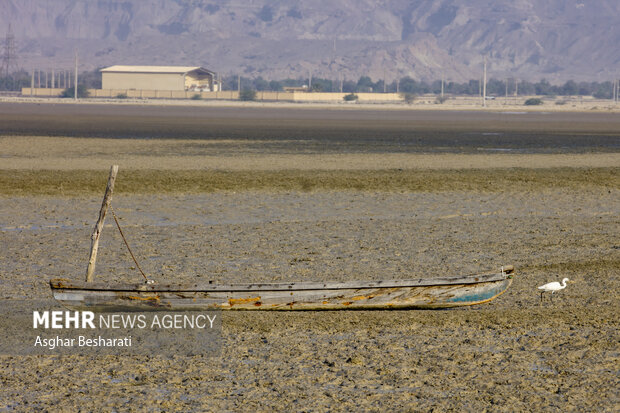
pixel 224 95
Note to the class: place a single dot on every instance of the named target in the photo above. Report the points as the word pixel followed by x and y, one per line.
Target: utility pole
pixel 309 80
pixel 75 79
pixel 32 82
pixel 239 83
pixel 442 80
pixel 516 87
pixel 484 84
pixel 506 84
pixel 53 78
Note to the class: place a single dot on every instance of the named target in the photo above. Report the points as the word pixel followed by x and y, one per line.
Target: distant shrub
pixel 441 99
pixel 408 97
pixel 266 14
pixel 561 102
pixel 82 92
pixel 351 97
pixel 121 96
pixel 247 94
pixel 196 96
pixel 533 102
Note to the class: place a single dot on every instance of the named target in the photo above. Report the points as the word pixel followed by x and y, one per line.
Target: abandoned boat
pixel 393 294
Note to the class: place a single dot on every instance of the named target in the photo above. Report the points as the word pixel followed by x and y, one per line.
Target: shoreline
pixel 461 104
pixel 304 162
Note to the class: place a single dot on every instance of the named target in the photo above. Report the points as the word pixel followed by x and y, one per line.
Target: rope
pixel 129 249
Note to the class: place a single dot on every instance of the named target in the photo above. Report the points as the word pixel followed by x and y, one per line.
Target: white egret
pixel 553 287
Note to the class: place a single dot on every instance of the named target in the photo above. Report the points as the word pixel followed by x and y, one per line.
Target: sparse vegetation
pixel 247 94
pixel 71 183
pixel 121 96
pixel 533 102
pixel 15 81
pixel 495 87
pixel 82 92
pixel 441 99
pixel 351 97
pixel 406 84
pixel 196 96
pixel 265 14
pixel 408 97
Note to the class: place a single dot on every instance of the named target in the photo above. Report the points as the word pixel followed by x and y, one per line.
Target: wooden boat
pixel 396 294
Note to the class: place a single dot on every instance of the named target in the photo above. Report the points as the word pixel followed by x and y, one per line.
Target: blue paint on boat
pixel 475 297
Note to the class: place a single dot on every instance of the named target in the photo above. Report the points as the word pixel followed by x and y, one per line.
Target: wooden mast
pixel 94 245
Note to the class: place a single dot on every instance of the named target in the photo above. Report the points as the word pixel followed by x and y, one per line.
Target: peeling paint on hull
pixel 353 295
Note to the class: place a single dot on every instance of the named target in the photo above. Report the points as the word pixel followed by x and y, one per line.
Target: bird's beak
pixel 572 282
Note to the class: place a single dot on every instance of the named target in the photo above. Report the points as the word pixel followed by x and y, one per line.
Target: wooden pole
pixel 94 244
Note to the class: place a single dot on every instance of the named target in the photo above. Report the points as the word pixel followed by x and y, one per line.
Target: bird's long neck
pixel 563 283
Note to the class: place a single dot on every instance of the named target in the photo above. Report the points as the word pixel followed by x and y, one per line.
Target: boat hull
pixel 402 294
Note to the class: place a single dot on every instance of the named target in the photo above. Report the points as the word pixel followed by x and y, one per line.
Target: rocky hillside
pixel 529 39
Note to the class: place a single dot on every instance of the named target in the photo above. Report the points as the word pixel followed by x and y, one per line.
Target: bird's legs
pixel 541 297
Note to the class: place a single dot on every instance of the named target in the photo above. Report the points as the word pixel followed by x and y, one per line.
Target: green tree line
pixel 495 87
pixel 20 79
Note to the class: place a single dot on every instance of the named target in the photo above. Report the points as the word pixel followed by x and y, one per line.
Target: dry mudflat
pixel 312 208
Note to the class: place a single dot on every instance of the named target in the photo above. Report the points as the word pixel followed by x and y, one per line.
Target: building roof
pixel 154 69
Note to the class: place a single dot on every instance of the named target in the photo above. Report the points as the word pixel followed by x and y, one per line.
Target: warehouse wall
pixel 142 81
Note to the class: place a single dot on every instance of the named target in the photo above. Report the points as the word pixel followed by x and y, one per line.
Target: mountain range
pixel 425 39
